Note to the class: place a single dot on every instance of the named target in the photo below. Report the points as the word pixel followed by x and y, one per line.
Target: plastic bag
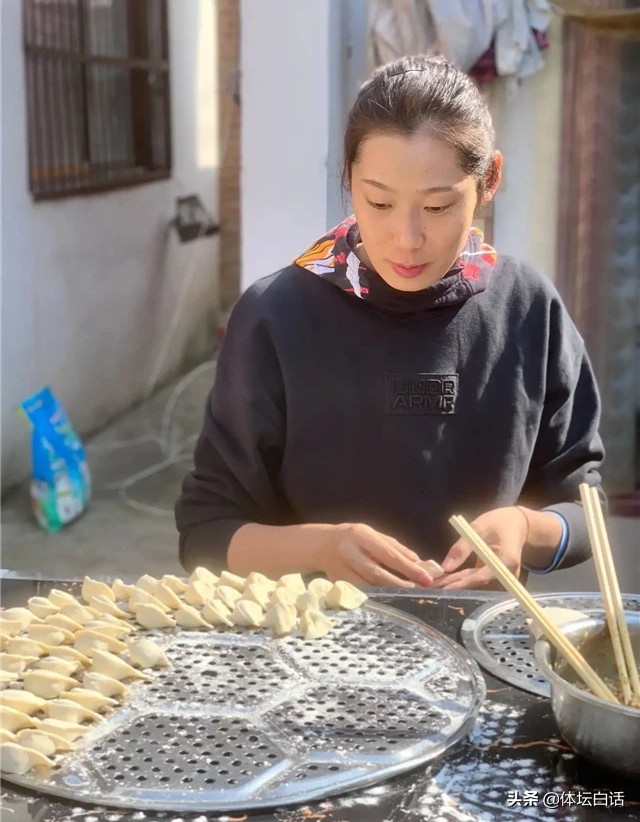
pixel 61 483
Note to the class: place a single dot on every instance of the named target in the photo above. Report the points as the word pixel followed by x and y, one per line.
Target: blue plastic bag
pixel 61 483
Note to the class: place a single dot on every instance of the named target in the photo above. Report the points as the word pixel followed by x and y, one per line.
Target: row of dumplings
pixel 63 661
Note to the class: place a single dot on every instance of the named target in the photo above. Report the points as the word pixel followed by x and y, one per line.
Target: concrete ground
pixel 137 465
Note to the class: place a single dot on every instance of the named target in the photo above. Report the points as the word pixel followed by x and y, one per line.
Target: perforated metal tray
pixel 497 637
pixel 243 720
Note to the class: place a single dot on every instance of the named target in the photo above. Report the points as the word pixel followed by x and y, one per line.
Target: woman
pixel 399 371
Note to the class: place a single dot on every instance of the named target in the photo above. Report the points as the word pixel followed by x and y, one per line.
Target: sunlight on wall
pixel 207 86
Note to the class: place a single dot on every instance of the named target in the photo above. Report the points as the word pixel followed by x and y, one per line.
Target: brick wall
pixel 230 124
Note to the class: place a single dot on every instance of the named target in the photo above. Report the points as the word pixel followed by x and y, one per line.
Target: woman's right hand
pixel 359 554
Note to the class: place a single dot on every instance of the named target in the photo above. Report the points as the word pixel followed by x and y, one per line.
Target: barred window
pixel 97 94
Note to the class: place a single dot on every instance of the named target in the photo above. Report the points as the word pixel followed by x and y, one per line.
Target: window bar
pixel 77 176
pixel 61 99
pixel 46 112
pixel 85 89
pixel 166 87
pixel 54 167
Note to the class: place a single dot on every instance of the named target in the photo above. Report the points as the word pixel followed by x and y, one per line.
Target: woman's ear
pixel 492 178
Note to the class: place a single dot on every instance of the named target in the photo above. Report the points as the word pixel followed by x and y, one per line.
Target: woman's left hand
pixel 505 531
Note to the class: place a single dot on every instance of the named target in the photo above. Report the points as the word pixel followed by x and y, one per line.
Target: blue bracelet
pixel 560 550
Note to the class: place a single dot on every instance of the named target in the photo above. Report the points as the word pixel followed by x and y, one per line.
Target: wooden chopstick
pixel 608 580
pixel 512 584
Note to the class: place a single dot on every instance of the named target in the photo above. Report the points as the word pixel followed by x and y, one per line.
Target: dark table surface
pixel 513 766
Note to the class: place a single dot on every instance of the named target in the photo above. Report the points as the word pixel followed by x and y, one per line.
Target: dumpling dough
pixel 103 684
pixel 176 584
pixel 90 698
pixel 121 590
pixel 47 684
pixel 217 613
pixel 72 654
pixel 88 640
pixel 15 663
pixel 345 595
pixel 432 568
pixel 256 578
pixel 67 730
pixel 150 616
pixel 232 580
pixel 248 613
pixel 12 719
pixel 50 635
pixel 80 613
pixel 167 596
pixel 202 574
pixel 308 600
pixel 94 588
pixel 62 621
pixel 142 597
pixel 147 583
pixel 16 759
pixel 42 607
pixel 283 596
pixel 111 665
pixel 7 736
pixel 22 700
pixel 146 654
pixel 257 593
pixel 189 617
pixel 45 743
pixel 115 629
pixel 70 711
pixel 107 606
pixel 26 647
pixel 281 618
pixel 198 592
pixel 7 678
pixel 60 598
pixel 559 616
pixel 314 624
pixel 23 615
pixel 66 667
pixel 10 627
pixel 293 582
pixel 228 595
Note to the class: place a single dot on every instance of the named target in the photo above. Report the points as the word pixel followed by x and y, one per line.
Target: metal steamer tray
pixel 243 720
pixel 497 637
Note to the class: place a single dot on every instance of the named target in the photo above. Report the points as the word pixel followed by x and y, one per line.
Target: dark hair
pixel 420 91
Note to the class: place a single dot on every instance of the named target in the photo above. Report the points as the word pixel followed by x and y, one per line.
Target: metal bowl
pixel 603 732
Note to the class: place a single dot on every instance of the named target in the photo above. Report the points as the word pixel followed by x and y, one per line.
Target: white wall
pixel 527 122
pixel 285 70
pixel 90 284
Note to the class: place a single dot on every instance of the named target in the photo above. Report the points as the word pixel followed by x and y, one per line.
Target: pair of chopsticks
pixel 553 634
pixel 608 581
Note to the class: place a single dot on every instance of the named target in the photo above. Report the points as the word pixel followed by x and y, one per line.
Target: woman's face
pixel 414 206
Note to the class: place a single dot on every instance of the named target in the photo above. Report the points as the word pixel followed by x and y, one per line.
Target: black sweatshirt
pixel 342 400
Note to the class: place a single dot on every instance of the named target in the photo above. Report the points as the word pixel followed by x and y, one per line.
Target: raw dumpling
pixel 45 743
pixel 12 720
pixel 281 618
pixel 150 616
pixel 111 665
pixel 217 613
pixel 23 615
pixel 320 586
pixel 16 759
pixel 314 624
pixel 257 593
pixel 232 580
pixel 67 730
pixel 202 574
pixel 283 596
pixel 146 654
pixel 21 700
pixel 88 639
pixel 7 736
pixel 247 612
pixel 107 606
pixel 103 684
pixel 79 613
pixel 142 597
pixel 42 607
pixel 94 588
pixel 49 634
pixel 72 654
pixel 147 583
pixel 293 582
pixel 432 568
pixel 7 678
pixel 26 647
pixel 121 590
pixel 62 621
pixel 228 595
pixel 175 583
pixel 198 592
pixel 47 684
pixel 70 711
pixel 14 663
pixel 90 698
pixel 189 617
pixel 167 596
pixel 10 627
pixel 559 616
pixel 308 600
pixel 256 578
pixel 345 595
pixel 118 628
pixel 61 598
pixel 66 667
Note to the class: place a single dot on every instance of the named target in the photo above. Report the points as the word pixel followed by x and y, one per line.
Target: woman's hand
pixel 364 556
pixel 505 530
